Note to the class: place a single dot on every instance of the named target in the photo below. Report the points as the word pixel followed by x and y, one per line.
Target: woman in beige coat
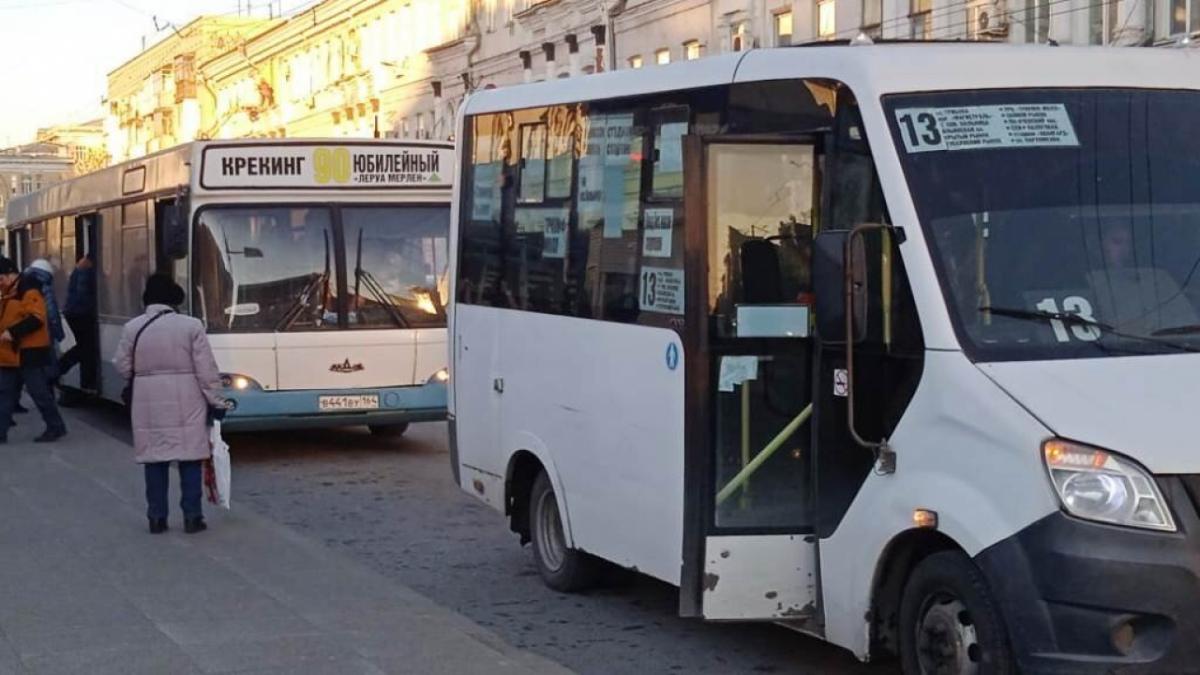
pixel 175 385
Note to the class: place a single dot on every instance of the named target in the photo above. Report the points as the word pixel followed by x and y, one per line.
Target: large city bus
pixel 892 344
pixel 318 267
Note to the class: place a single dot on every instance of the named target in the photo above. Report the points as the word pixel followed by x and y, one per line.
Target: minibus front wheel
pixel 949 623
pixel 561 567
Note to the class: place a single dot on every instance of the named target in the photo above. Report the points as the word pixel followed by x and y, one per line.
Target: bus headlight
pixel 1098 485
pixel 440 377
pixel 238 382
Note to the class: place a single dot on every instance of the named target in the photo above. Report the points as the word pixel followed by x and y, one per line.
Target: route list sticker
pixel 1025 125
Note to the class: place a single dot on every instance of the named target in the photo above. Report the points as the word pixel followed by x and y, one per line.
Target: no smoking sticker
pixel 841 383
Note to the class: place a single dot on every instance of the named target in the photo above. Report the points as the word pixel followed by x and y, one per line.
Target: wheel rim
pixel 946 640
pixel 551 542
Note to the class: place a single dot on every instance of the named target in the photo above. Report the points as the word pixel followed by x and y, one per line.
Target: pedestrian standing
pixel 167 359
pixel 80 313
pixel 25 351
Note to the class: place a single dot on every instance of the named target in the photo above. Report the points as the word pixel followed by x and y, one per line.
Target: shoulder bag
pixel 127 392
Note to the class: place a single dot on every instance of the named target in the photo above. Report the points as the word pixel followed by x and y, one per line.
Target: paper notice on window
pixel 555 237
pixel 986 127
pixel 656 234
pixel 737 370
pixel 661 290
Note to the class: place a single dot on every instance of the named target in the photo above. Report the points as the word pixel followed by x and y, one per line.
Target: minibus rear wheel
pixel 560 566
pixel 949 624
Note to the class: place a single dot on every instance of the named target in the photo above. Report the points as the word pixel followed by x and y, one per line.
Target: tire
pixel 561 567
pixel 388 430
pixel 949 623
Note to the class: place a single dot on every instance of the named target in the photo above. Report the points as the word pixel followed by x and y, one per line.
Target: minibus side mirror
pixel 829 285
pixel 174 227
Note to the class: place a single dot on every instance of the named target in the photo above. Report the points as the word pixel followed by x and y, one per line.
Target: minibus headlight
pixel 440 377
pixel 238 382
pixel 1098 485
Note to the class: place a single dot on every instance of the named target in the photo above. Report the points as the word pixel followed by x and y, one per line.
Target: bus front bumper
pixel 257 410
pixel 1081 597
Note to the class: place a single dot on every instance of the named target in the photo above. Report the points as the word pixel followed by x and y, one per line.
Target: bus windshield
pixel 282 268
pixel 1063 223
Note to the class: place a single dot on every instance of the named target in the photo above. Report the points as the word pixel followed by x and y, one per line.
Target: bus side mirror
pixel 174 228
pixel 829 285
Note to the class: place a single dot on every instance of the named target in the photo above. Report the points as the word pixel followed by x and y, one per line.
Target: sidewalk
pixel 85 588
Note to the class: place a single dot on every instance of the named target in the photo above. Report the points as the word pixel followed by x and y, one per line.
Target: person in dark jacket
pixel 80 313
pixel 25 351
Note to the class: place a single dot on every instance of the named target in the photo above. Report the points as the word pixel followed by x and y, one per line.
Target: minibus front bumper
pixel 1081 597
pixel 256 409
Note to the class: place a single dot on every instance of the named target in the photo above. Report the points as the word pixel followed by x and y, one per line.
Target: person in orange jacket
pixel 25 352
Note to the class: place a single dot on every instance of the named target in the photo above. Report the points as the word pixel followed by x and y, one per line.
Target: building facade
pixel 29 168
pixel 158 98
pixel 84 142
pixel 400 68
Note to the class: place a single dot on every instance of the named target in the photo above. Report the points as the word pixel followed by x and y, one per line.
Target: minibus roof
pixel 875 70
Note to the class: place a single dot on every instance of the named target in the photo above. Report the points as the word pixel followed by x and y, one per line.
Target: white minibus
pixel 319 268
pixel 893 344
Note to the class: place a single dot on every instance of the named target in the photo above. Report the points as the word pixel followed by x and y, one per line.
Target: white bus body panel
pixel 346 359
pixel 473 372
pixel 754 576
pixel 248 354
pixel 964 449
pixel 1081 399
pixel 589 399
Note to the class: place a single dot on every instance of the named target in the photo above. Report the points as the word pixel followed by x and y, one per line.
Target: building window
pixel 1102 22
pixel 826 19
pixel 920 17
pixel 739 34
pixel 635 61
pixel 873 18
pixel 662 57
pixel 691 50
pixel 1184 17
pixel 1037 21
pixel 783 29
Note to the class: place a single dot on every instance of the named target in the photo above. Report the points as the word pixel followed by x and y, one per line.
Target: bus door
pixel 749 547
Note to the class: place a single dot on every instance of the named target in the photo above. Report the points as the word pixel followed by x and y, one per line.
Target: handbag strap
pixel 133 352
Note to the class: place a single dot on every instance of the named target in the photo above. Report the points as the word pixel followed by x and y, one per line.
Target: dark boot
pixel 158 525
pixel 50 435
pixel 194 525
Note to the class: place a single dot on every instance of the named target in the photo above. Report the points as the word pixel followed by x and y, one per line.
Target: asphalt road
pixel 393 505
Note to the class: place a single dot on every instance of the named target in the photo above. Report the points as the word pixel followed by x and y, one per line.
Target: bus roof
pixel 874 70
pixel 165 172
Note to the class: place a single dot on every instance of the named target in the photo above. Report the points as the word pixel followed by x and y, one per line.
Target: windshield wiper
pixel 375 288
pixel 1076 320
pixel 320 281
pixel 1188 329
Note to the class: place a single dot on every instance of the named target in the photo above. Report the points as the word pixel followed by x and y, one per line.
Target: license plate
pixel 353 402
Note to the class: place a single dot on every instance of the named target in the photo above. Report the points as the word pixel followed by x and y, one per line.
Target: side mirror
pixel 174 227
pixel 829 285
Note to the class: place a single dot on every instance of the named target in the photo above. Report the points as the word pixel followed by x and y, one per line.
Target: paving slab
pixel 84 588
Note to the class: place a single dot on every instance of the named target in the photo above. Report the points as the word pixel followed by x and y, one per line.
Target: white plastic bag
pixel 222 469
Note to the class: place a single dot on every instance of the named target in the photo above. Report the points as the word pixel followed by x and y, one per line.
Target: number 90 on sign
pixel 331 165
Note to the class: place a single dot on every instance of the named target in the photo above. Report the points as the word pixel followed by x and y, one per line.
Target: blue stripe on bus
pixel 257 409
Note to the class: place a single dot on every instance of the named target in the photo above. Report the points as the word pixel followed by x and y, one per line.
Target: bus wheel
pixel 949 624
pixel 388 430
pixel 561 567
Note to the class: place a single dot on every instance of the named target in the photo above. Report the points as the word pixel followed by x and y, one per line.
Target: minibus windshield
pixel 1062 223
pixel 281 268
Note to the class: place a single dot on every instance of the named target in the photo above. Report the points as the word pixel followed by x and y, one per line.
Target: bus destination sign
pixel 288 166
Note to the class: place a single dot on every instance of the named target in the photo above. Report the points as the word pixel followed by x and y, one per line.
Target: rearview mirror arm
pixel 884 456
